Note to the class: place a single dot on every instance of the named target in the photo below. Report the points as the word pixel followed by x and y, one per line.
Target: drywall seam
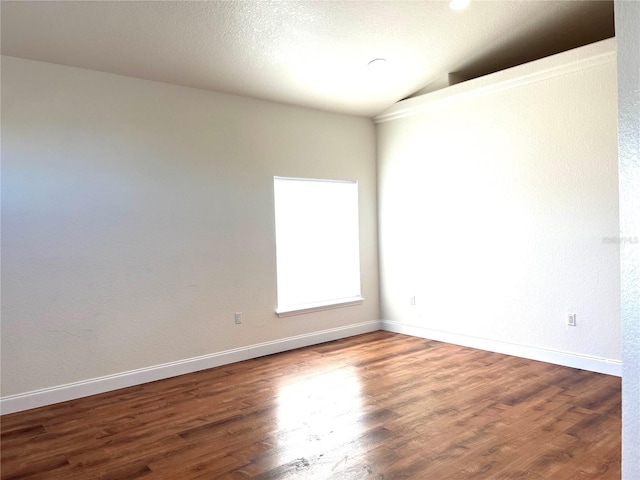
pixel 71 391
pixel 567 359
pixel 555 66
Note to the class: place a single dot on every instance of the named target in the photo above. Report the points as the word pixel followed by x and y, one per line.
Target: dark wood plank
pixel 380 405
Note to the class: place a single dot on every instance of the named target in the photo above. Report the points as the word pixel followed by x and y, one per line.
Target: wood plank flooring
pixel 376 406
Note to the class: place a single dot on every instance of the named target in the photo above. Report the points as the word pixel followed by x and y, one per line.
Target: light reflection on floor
pixel 317 415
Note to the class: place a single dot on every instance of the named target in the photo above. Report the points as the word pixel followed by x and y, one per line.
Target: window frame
pixel 308 307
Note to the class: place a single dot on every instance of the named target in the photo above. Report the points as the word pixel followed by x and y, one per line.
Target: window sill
pixel 316 307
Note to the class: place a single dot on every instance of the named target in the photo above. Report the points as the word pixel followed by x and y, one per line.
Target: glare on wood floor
pixel 378 406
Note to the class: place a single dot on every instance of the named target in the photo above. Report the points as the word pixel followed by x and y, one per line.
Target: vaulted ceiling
pixel 309 53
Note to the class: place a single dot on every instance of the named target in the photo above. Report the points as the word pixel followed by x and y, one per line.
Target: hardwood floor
pixel 378 406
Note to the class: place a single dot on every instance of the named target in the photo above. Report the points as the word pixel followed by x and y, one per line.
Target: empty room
pixel 320 240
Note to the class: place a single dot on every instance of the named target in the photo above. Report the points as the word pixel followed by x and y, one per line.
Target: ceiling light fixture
pixel 459 4
pixel 377 63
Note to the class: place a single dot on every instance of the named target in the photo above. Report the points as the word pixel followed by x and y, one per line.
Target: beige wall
pixel 498 208
pixel 137 217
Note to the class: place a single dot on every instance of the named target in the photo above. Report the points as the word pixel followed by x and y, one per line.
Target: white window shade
pixel 317 243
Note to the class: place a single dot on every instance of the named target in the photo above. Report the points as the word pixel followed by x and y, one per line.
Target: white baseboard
pixel 567 359
pixel 71 391
pixel 85 388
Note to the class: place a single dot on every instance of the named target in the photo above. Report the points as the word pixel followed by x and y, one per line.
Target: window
pixel 317 246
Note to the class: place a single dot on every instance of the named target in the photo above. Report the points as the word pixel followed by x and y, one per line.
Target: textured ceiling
pixel 310 53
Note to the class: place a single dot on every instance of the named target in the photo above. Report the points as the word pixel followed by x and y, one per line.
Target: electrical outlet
pixel 571 319
pixel 412 300
pixel 238 318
